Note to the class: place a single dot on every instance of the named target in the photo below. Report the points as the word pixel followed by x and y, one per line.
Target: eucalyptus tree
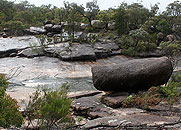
pixel 137 14
pixel 121 21
pixel 89 12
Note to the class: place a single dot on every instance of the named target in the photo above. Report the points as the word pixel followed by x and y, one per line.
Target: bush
pixel 145 47
pixel 139 35
pixel 9 114
pixel 144 99
pixel 164 27
pixel 171 48
pixel 125 42
pixel 129 52
pixel 129 48
pixel 50 108
pixel 172 91
pixel 14 27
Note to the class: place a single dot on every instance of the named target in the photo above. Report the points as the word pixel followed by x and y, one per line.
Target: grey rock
pixel 83 25
pixel 83 94
pixel 114 100
pixel 111 26
pixel 15 44
pixel 90 107
pixel 57 28
pixel 47 22
pixel 140 121
pixel 98 24
pixel 155 53
pixel 106 49
pixel 133 75
pixel 4 35
pixel 31 52
pixel 35 31
pixel 50 34
pixel 171 38
pixel 48 27
pixel 74 52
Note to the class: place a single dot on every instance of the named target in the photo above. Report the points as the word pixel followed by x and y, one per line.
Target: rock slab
pixel 133 75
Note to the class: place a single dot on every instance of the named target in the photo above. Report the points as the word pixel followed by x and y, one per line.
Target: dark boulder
pixel 133 75
pixel 114 100
pixel 160 37
pixel 5 35
pixel 57 28
pixel 47 22
pixel 48 27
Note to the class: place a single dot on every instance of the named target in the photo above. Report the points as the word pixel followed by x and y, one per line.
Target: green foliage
pixel 151 25
pixel 137 14
pixel 92 38
pixel 164 27
pixel 172 91
pixel 171 48
pixel 144 99
pixel 139 35
pixel 2 17
pixel 145 47
pixel 9 113
pixel 127 43
pixel 14 27
pixel 25 17
pixel 50 108
pixel 3 85
pixel 129 52
pixel 173 9
pixel 120 21
pixel 106 15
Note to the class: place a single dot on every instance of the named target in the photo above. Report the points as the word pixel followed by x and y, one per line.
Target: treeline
pixel 17 16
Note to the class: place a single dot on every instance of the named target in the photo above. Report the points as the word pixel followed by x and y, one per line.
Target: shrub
pixel 9 114
pixel 129 52
pixel 50 108
pixel 145 46
pixel 172 91
pixel 125 42
pixel 139 35
pixel 14 27
pixel 129 48
pixel 171 48
pixel 144 99
pixel 164 27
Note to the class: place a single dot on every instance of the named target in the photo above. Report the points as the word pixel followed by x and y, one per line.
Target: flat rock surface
pixel 130 120
pixel 73 52
pixel 17 43
pixel 106 49
pixel 77 51
pixel 101 117
pixel 32 52
pixel 90 107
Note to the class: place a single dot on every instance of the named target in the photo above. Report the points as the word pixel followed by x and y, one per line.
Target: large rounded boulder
pixel 133 75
